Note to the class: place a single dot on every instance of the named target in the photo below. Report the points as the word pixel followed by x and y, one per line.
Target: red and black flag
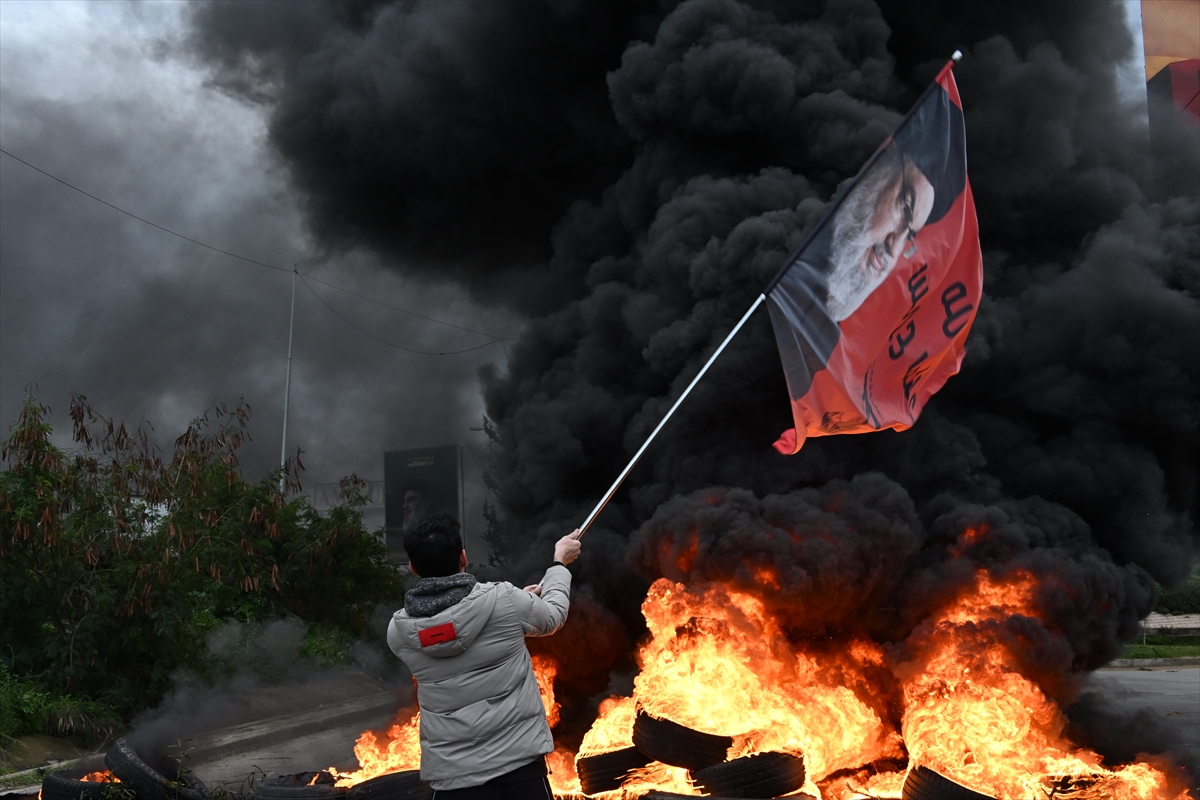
pixel 1171 39
pixel 871 314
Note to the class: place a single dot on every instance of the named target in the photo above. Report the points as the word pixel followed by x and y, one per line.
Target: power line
pixel 401 310
pixel 141 219
pixel 304 280
pixel 303 275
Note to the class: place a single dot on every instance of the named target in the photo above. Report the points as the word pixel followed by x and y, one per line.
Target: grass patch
pixel 1169 640
pixel 1151 650
pixel 10 781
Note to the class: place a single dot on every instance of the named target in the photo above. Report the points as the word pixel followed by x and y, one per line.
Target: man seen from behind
pixel 484 734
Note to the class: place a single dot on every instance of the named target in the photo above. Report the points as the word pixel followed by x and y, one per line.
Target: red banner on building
pixel 872 314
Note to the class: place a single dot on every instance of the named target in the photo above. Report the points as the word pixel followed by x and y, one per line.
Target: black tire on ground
pixel 144 780
pixel 190 780
pixel 405 785
pixel 65 785
pixel 280 792
pixel 762 775
pixel 604 772
pixel 300 786
pixel 672 743
pixel 301 779
pixel 925 784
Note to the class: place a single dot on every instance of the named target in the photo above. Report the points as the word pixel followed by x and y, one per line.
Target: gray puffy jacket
pixel 481 713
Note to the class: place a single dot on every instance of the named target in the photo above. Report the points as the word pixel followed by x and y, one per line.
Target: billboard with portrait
pixel 417 483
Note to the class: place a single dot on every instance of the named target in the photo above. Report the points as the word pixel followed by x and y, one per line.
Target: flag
pixel 1170 33
pixel 1171 42
pixel 871 314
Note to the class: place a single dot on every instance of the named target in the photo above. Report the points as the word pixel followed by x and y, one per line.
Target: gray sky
pixel 151 327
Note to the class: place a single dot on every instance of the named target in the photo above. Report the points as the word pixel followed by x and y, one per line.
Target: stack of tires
pixel 764 775
pixel 134 780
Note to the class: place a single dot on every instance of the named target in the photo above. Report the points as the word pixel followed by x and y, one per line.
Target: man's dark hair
pixel 433 546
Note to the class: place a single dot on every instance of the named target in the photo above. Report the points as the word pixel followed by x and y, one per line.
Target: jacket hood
pixel 449 632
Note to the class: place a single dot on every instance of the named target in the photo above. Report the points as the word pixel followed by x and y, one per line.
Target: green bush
pixel 26 706
pixel 22 705
pixel 327 645
pixel 1184 600
pixel 116 562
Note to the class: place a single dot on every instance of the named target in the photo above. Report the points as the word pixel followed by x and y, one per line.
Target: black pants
pixel 524 783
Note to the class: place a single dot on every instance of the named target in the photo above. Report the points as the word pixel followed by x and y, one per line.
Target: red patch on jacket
pixel 437 634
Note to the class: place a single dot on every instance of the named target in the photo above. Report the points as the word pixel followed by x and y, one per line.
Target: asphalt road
pixel 316 751
pixel 1172 692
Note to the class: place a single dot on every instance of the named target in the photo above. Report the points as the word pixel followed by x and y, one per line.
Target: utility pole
pixel 287 384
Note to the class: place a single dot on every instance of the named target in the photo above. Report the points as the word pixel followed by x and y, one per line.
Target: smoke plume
pixel 632 180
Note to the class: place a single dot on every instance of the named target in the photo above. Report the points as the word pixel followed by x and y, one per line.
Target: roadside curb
pixel 1188 661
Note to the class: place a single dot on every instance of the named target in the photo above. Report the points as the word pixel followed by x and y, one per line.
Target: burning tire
pixel 405 785
pixel 656 795
pixel 925 784
pixel 301 786
pixel 605 771
pixel 672 743
pixel 67 785
pixel 761 775
pixel 144 780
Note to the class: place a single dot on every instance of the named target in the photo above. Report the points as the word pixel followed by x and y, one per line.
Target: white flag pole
pixel 633 461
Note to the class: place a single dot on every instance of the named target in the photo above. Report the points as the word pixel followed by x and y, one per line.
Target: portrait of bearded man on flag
pixel 877 223
pixel 858 311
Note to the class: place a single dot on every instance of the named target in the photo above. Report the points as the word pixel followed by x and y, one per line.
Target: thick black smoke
pixel 452 136
pixel 1070 440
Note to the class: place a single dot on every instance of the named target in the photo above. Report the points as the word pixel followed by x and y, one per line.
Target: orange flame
pixel 719 663
pixel 544 669
pixel 881 786
pixel 972 717
pixel 563 779
pixel 399 747
pixel 101 776
pixel 613 728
